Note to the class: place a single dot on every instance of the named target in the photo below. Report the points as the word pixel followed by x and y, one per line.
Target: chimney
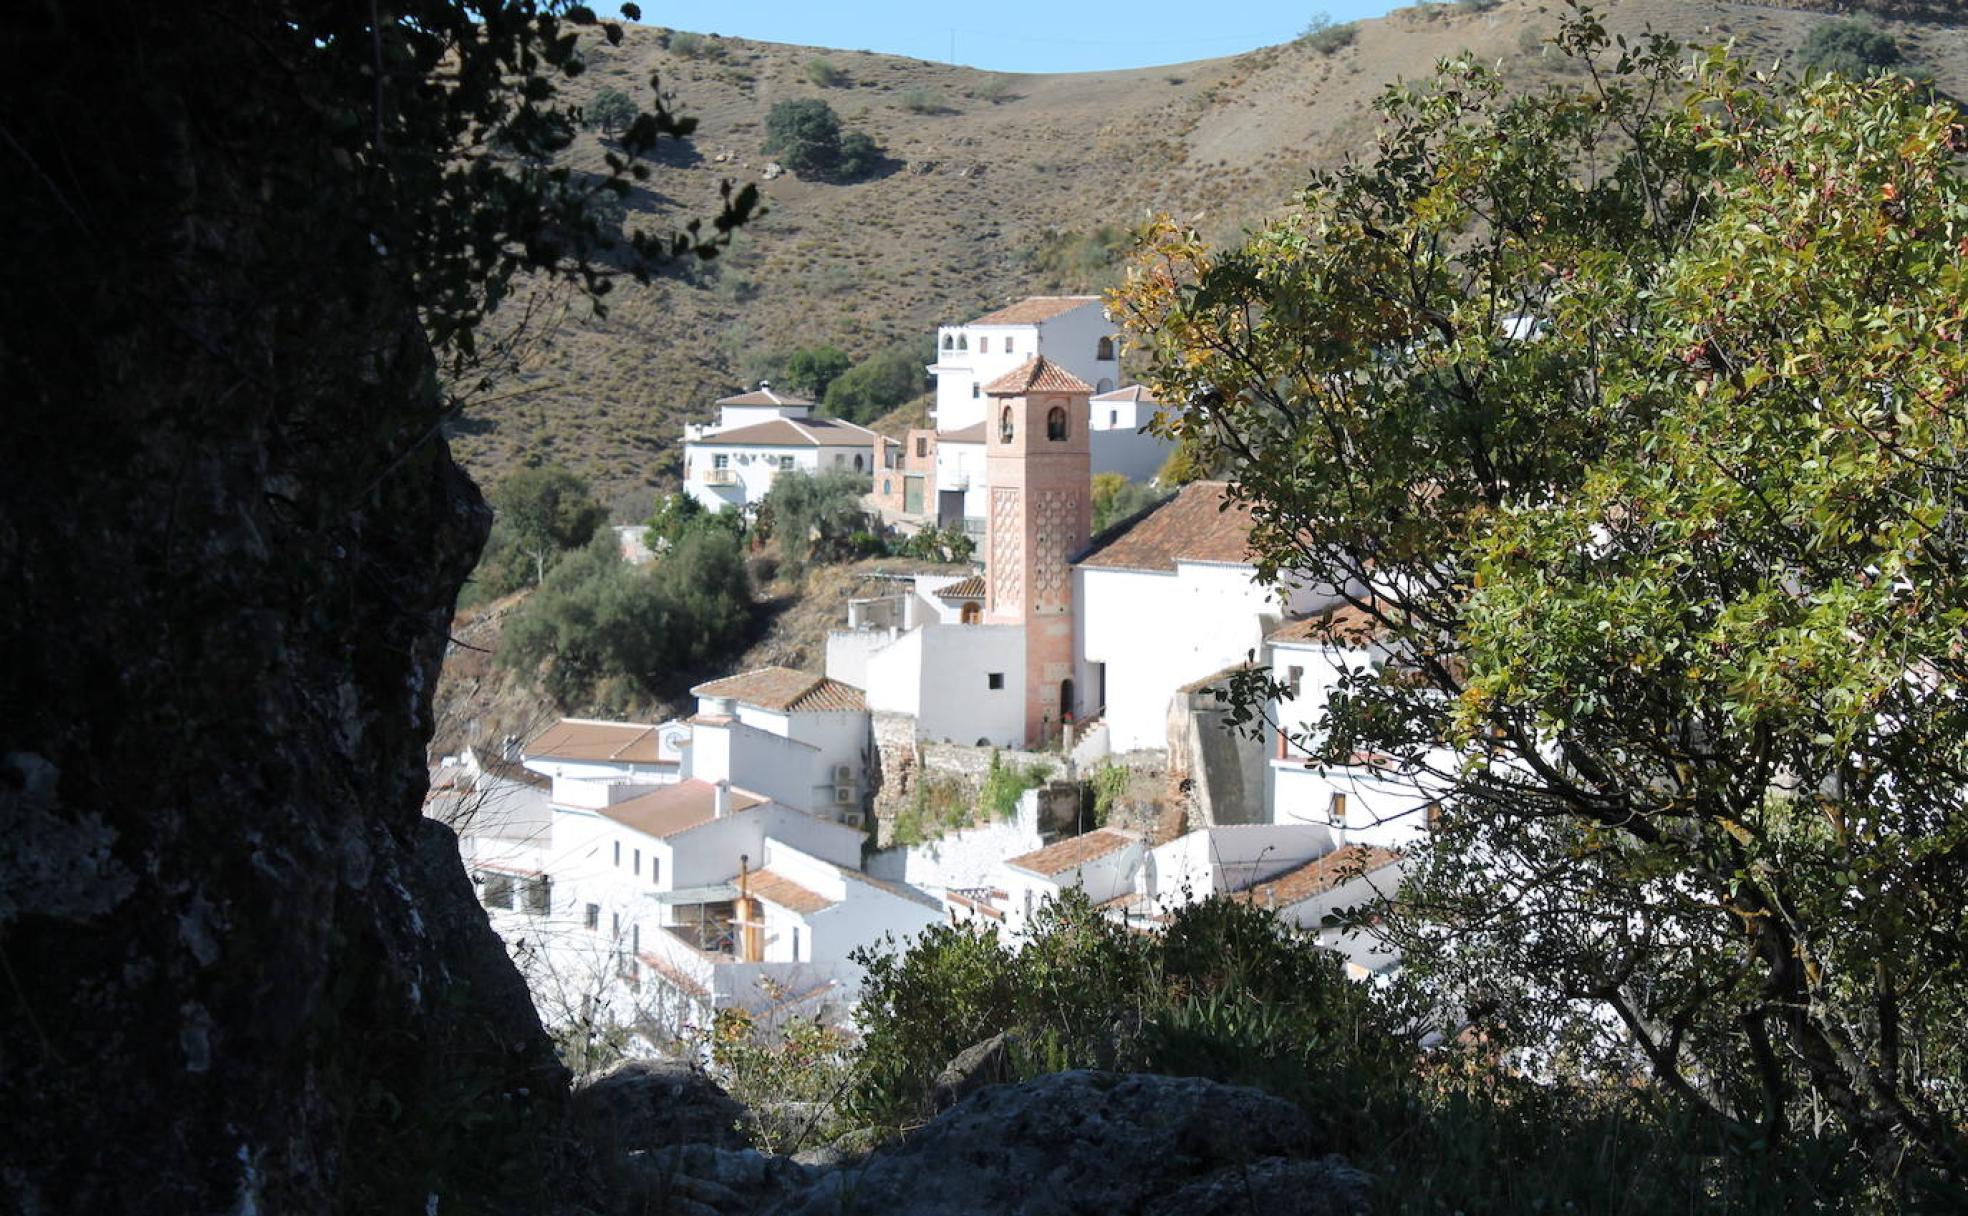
pixel 721 798
pixel 509 747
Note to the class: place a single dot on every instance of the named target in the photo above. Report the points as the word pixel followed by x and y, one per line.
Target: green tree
pixel 877 384
pixel 1115 498
pixel 805 135
pixel 817 518
pixel 1639 405
pixel 812 369
pixel 544 512
pixel 611 111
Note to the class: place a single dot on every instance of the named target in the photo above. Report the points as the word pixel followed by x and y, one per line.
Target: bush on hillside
pixel 805 135
pixel 811 370
pixel 818 518
pixel 599 632
pixel 1326 38
pixel 675 516
pixel 1855 49
pixel 824 74
pixel 1077 261
pixel 538 516
pixel 878 384
pixel 611 111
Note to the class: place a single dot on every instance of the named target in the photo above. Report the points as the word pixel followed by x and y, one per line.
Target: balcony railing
pixel 720 477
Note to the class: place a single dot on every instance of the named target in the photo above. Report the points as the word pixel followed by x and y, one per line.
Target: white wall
pixel 1381 808
pixel 1135 456
pixel 961 465
pixel 861 915
pixel 755 466
pixel 1070 339
pixel 1102 879
pixel 1368 888
pixel 1158 632
pixel 781 769
pixel 1214 861
pixel 939 675
pixel 963 860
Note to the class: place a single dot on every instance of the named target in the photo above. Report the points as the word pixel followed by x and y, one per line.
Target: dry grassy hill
pixel 983 166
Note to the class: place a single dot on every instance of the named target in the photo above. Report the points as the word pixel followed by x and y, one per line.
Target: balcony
pixel 720 477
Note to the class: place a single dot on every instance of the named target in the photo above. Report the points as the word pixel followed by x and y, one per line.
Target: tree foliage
pixel 1639 406
pixel 539 514
pixel 611 111
pixel 813 369
pixel 806 135
pixel 818 517
pixel 1850 48
pixel 601 633
pixel 877 384
pixel 1115 498
pixel 675 516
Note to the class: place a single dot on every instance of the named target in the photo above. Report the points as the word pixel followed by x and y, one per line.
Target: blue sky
pixel 1014 35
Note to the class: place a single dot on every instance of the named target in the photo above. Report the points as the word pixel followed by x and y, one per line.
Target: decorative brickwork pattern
pixel 1057 510
pixel 1007 542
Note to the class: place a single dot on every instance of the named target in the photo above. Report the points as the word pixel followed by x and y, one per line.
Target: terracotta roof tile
pixel 764 395
pixel 1034 309
pixel 671 809
pixel 793 433
pixel 971 588
pixel 783 689
pixel 494 765
pixel 778 889
pixel 1199 524
pixel 1036 375
pixel 589 739
pixel 1073 852
pixel 1343 625
pixel 1317 877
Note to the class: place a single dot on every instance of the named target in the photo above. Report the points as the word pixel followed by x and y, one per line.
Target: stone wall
pixel 1220 772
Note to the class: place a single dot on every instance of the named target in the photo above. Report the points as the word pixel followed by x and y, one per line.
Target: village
pixel 651 874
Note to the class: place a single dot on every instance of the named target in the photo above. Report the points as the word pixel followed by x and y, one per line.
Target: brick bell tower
pixel 1037 470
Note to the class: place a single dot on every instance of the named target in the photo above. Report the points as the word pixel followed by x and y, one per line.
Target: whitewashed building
pixel 1071 332
pixel 1102 863
pixel 798 738
pixel 732 462
pixel 1351 877
pixel 1121 443
pixel 1172 600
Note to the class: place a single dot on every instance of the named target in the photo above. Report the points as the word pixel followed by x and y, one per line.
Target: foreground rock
pixel 1099 1144
pixel 650 1104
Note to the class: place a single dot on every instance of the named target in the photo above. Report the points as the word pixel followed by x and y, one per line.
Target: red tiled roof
pixel 763 395
pixel 1034 309
pixel 494 765
pixel 1073 852
pixel 1199 524
pixel 793 433
pixel 971 588
pixel 1129 392
pixel 1214 679
pixel 671 809
pixel 778 889
pixel 782 688
pixel 1317 877
pixel 588 739
pixel 1036 375
pixel 1342 625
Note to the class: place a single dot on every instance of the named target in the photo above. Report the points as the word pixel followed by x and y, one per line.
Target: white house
pixel 1350 877
pixel 1072 332
pixel 798 738
pixel 1222 860
pixel 816 910
pixel 596 749
pixel 1171 600
pixel 1121 443
pixel 1102 863
pixel 761 434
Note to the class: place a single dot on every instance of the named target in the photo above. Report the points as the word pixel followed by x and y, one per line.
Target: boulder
pixel 703 1180
pixel 1089 1144
pixel 648 1104
pixel 977 1066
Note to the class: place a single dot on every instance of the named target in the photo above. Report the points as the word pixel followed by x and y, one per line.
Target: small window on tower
pixel 922 445
pixel 1004 426
pixel 1104 351
pixel 995 679
pixel 1056 424
pixel 983 346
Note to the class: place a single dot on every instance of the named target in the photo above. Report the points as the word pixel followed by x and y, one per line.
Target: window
pixel 618 853
pixel 1056 424
pixel 721 461
pixel 637 870
pixel 594 916
pixel 949 342
pixel 858 466
pixel 973 614
pixel 796 944
pixel 995 679
pixel 496 890
pixel 1113 417
pixel 1293 677
pixel 1105 350
pixel 615 926
pixel 983 346
pixel 786 462
pixel 963 341
pixel 539 895
pixel 655 869
pixel 887 487
pixel 840 460
pixel 1004 425
pixel 635 938
pixel 922 444
pixel 1336 809
pixel 976 390
pixel 1007 346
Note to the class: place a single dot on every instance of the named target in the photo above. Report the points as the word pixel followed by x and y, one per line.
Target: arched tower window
pixel 1105 351
pixel 1056 423
pixel 973 613
pixel 1004 425
pixel 949 342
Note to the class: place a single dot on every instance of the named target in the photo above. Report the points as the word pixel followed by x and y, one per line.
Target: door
pixel 912 494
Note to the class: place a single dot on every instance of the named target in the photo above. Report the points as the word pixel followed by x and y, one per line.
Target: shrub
pixel 1855 49
pixel 1326 38
pixel 817 518
pixel 693 46
pixel 611 110
pixel 805 134
pixel 877 385
pixel 825 74
pixel 1005 783
pixel 994 89
pixel 939 545
pixel 812 369
pixel 923 101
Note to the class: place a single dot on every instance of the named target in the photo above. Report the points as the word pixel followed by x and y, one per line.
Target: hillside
pixel 981 168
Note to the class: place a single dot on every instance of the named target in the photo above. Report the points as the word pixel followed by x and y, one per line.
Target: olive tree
pixel 1639 406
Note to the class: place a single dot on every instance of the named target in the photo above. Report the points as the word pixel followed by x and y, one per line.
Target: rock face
pixel 243 973
pixel 648 1104
pixel 1098 1144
